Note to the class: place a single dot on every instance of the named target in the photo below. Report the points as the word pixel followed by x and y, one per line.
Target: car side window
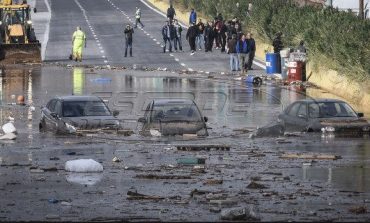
pixel 302 112
pixel 294 109
pixel 313 110
pixel 51 105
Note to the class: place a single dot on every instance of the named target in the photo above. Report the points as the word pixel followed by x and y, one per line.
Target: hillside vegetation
pixel 335 39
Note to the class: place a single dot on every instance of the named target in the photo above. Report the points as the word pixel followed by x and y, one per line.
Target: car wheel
pixel 309 129
pixel 42 126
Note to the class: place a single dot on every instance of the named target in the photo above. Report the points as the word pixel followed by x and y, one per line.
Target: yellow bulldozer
pixel 18 43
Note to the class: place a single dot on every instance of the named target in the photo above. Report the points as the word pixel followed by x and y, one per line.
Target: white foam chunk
pixel 9 128
pixel 83 166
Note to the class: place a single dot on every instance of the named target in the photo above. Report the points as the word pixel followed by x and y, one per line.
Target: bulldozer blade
pixel 22 53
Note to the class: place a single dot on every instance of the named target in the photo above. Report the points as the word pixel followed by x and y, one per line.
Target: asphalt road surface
pixel 104 21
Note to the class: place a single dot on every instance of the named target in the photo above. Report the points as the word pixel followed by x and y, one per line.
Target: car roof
pixel 78 98
pixel 320 100
pixel 172 101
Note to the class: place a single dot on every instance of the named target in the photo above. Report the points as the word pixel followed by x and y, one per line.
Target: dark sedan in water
pixel 173 117
pixel 323 115
pixel 69 114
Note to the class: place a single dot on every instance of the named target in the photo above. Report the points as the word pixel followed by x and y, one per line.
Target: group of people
pixel 226 35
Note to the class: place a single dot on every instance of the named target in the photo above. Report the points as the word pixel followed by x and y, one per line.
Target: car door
pixel 47 114
pixel 296 118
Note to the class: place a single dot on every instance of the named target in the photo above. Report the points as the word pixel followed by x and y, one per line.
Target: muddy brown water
pixel 299 190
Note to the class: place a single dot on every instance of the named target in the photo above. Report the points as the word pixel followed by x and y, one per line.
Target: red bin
pixel 295 70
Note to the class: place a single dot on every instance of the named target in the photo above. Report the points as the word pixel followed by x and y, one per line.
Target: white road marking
pixel 189 69
pixel 47 31
pixel 154 39
pixel 182 64
pixel 177 59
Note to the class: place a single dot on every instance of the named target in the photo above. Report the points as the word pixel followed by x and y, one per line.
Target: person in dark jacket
pixel 277 43
pixel 128 37
pixel 168 34
pixel 234 62
pixel 178 29
pixel 191 35
pixel 242 49
pixel 252 50
pixel 223 36
pixel 192 17
pixel 209 36
pixel 171 13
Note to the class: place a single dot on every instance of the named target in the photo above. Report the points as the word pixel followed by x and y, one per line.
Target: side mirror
pixel 34 10
pixel 115 113
pixel 205 119
pixel 54 115
pixel 142 120
pixel 360 114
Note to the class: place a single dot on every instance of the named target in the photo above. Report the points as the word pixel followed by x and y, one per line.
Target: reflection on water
pixel 84 178
pixel 230 105
pixel 354 178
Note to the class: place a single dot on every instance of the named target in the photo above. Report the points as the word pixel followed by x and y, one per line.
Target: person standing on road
pixel 128 36
pixel 171 13
pixel 252 50
pixel 166 34
pixel 242 49
pixel 200 36
pixel 178 29
pixel 172 36
pixel 209 36
pixel 191 35
pixel 234 63
pixel 192 17
pixel 301 48
pixel 138 18
pixel 277 43
pixel 78 41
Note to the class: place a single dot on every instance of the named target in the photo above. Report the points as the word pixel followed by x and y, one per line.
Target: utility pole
pixel 361 9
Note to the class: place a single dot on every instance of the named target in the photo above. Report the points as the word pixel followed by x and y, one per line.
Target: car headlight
pixel 29 22
pixel 329 129
pixel 366 128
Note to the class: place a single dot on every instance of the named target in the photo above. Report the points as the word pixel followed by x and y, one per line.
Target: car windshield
pixel 176 113
pixel 330 109
pixel 84 108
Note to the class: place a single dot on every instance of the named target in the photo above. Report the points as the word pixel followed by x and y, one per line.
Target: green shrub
pixel 328 33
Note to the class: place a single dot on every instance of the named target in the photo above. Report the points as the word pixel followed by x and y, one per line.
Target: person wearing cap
pixel 138 17
pixel 128 37
pixel 78 41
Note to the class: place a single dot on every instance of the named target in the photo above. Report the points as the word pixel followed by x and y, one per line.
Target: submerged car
pixel 323 115
pixel 173 117
pixel 69 114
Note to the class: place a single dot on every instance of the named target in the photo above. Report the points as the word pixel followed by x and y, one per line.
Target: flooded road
pixel 253 172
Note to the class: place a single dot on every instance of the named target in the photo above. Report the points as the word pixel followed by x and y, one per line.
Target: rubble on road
pixel 199 147
pixel 131 195
pixel 255 185
pixel 239 213
pixel 309 156
pixel 160 177
pixel 358 210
